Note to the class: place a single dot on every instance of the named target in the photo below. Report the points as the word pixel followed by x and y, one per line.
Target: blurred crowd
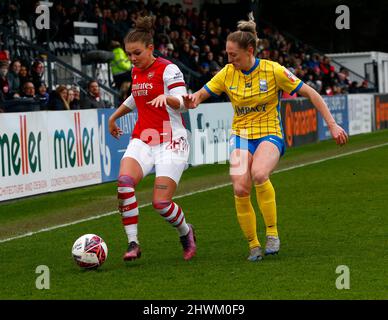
pixel 23 84
pixel 313 68
pixel 192 37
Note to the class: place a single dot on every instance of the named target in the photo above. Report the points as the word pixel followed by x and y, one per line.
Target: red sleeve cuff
pixel 176 84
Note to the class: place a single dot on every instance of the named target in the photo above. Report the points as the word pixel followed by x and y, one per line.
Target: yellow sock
pixel 247 218
pixel 265 194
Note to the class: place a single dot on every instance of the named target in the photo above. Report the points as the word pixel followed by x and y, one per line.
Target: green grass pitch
pixel 329 214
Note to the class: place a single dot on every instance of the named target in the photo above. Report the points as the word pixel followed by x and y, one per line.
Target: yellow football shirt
pixel 255 96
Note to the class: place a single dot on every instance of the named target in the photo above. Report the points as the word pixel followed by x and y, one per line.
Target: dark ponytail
pixel 142 32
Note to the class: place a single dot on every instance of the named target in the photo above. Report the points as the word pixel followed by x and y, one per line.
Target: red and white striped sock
pixel 128 206
pixel 173 214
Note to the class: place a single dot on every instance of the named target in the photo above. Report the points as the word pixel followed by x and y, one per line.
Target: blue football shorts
pixel 236 142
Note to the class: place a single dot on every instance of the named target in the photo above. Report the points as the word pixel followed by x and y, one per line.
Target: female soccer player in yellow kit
pixel 254 87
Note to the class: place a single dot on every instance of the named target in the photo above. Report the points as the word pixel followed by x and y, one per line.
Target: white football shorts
pixel 169 159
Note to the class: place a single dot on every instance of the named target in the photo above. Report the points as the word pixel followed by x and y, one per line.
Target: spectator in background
pixel 106 24
pixel 214 69
pixel 4 85
pixel 24 75
pixel 313 81
pixel 162 48
pixel 314 62
pixel 43 96
pixel 70 97
pixel 75 103
pixel 185 56
pixel 125 91
pixel 58 99
pixel 170 50
pixel 343 78
pixel 330 80
pixel 205 50
pixel 28 90
pixel 326 70
pixel 13 78
pixel 353 87
pixel 196 57
pixel 123 24
pixel 364 87
pixel 205 74
pixel 92 100
pixel 328 91
pixel 37 73
pixel 164 25
pixel 337 89
pixel 121 66
pixel 209 57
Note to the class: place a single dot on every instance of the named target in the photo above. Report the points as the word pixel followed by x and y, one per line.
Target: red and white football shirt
pixel 163 124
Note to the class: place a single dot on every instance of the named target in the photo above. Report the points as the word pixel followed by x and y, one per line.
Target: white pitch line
pixel 190 193
pixel 332 157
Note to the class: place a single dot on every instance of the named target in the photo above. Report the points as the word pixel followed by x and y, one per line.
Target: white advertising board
pixel 360 113
pixel 73 149
pixel 24 165
pixel 211 125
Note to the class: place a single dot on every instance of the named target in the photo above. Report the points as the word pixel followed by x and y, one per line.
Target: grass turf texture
pixel 330 214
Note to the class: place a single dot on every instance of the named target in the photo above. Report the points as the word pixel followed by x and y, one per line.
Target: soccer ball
pixel 89 251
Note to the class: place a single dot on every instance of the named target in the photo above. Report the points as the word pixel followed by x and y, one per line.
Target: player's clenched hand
pixel 114 130
pixel 159 101
pixel 338 134
pixel 190 101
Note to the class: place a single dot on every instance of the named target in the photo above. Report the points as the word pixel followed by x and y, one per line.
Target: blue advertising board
pixel 338 106
pixel 112 149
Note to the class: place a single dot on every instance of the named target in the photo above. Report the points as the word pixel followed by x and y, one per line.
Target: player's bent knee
pixel 259 176
pixel 160 204
pixel 125 180
pixel 241 190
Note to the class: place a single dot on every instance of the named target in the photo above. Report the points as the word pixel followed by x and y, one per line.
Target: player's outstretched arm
pixel 338 133
pixel 191 101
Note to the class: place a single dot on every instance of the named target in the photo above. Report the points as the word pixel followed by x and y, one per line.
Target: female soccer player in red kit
pixel 159 139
